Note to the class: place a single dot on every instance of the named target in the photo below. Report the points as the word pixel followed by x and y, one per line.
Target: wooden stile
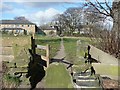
pixel 33 47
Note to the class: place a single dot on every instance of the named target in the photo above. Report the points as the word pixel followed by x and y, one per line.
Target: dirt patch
pixel 110 84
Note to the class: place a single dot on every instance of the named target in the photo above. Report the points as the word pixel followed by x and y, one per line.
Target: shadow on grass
pixel 36 70
pixel 62 61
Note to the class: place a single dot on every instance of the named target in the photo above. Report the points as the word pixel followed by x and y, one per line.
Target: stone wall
pixel 103 57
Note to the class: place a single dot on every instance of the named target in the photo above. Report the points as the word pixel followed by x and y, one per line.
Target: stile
pixel 47 48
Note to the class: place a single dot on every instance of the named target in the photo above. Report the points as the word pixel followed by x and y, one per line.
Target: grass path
pixel 57 75
pixel 61 53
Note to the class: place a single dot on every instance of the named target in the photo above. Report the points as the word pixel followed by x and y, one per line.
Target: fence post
pixel 47 54
pixel 33 47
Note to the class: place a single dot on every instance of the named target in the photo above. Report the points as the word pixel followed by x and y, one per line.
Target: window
pixel 17 25
pixel 9 25
pixel 17 31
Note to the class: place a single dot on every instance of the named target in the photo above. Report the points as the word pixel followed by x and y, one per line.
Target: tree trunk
pixel 116 24
pixel 115 9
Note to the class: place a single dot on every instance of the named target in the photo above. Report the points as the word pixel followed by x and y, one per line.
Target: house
pixel 17 26
pixel 49 30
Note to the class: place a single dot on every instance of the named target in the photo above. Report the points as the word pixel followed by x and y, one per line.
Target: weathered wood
pixel 44 57
pixel 47 54
pixel 47 48
pixel 33 47
pixel 41 47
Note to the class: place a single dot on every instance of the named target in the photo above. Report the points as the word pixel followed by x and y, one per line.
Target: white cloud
pixel 42 17
pixel 5 7
pixel 43 0
pixel 41 4
pixel 10 9
pixel 39 17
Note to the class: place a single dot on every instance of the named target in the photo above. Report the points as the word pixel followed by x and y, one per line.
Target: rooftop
pixel 12 29
pixel 16 22
pixel 46 27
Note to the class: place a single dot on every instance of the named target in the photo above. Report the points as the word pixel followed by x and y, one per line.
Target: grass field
pixel 70 48
pixel 58 77
pixel 107 69
pixel 75 49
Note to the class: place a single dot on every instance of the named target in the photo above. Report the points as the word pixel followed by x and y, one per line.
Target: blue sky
pixel 37 12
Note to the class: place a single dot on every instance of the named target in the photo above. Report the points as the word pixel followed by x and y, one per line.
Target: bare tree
pixel 92 19
pixel 73 18
pixel 111 39
pixel 69 20
pixel 59 22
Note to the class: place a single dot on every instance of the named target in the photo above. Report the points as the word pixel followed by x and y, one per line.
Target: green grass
pixel 81 66
pixel 107 69
pixel 20 46
pixel 74 52
pixel 73 49
pixel 10 81
pixel 57 77
pixel 70 48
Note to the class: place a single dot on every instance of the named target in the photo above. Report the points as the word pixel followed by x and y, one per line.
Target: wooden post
pixel 33 47
pixel 47 54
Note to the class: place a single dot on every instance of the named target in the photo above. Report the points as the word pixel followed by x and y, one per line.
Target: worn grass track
pixel 57 77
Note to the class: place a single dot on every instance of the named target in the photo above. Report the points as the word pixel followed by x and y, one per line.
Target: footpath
pixel 83 80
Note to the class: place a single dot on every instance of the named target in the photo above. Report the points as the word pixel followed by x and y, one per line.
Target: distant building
pixel 17 26
pixel 48 30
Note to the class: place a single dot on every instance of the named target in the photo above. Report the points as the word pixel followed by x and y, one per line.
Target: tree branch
pixel 111 11
pixel 106 14
pixel 102 7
